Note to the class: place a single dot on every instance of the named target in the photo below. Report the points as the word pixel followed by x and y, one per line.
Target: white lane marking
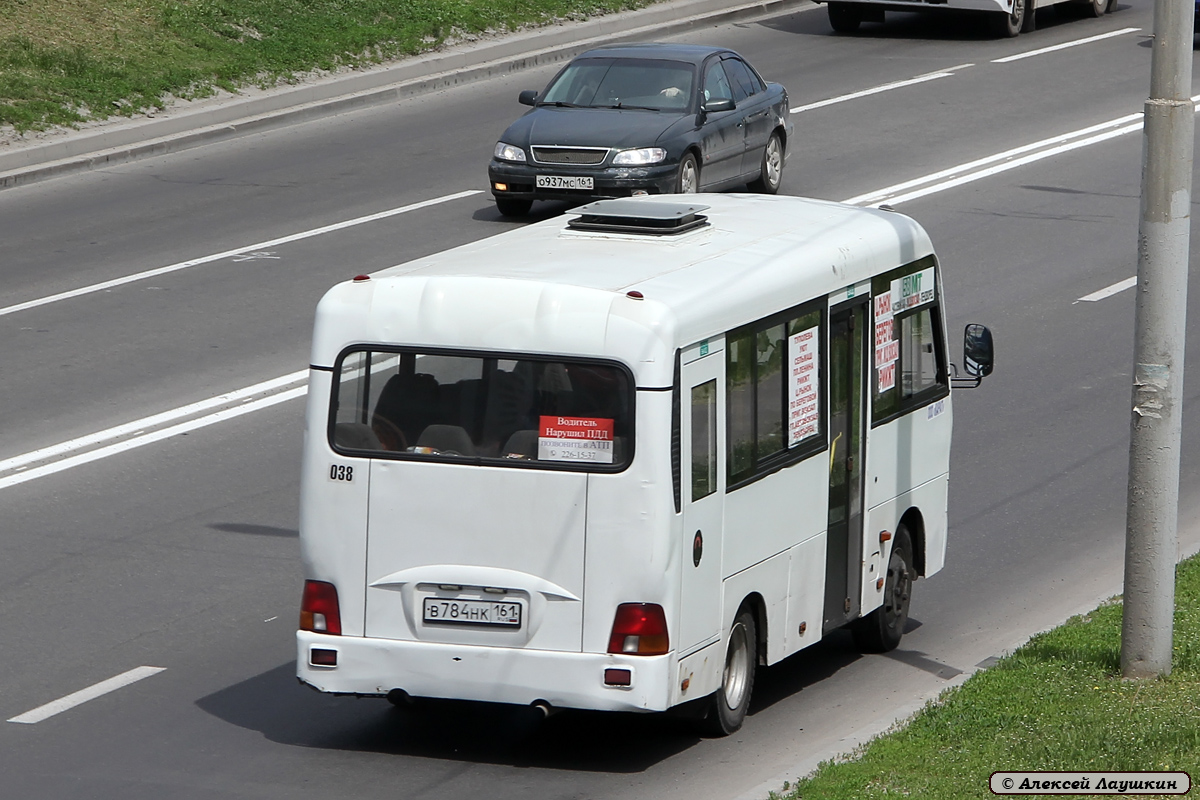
pixel 257 246
pixel 880 195
pixel 83 695
pixel 1008 165
pixel 133 428
pixel 1109 291
pixel 1064 46
pixel 150 438
pixel 877 89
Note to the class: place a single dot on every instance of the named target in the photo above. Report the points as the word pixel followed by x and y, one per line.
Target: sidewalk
pixel 196 123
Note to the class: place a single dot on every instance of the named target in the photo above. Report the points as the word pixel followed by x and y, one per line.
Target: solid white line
pixel 1006 166
pixel 1064 46
pixel 876 90
pixel 240 395
pixel 889 196
pixel 882 194
pixel 1109 291
pixel 83 695
pixel 150 438
pixel 295 237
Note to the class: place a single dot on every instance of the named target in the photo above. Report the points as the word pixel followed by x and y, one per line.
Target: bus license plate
pixel 565 182
pixel 472 612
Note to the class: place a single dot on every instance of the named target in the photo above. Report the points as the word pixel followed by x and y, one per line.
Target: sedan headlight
pixel 508 152
pixel 640 157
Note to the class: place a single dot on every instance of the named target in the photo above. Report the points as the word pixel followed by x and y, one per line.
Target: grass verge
pixel 1058 703
pixel 63 62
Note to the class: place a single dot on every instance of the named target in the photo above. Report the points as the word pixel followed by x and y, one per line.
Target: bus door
pixel 702 430
pixel 847 381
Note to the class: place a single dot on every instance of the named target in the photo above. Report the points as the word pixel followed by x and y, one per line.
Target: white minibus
pixel 618 459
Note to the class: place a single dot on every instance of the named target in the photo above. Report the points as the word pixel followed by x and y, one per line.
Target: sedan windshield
pixel 622 83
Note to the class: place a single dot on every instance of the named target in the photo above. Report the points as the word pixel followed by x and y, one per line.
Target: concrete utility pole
pixel 1153 504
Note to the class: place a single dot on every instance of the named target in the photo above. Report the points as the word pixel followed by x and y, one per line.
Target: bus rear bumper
pixel 490 674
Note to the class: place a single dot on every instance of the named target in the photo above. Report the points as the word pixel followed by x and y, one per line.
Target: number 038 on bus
pixel 619 460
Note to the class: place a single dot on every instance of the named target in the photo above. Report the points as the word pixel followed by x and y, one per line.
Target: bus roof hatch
pixel 631 215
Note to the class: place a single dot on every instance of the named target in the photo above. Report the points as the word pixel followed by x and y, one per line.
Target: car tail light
pixel 319 608
pixel 639 629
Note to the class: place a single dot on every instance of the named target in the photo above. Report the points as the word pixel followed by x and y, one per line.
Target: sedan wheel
pixel 688 180
pixel 771 169
pixel 513 207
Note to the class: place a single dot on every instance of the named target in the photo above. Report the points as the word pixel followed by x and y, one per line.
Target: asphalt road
pixel 182 553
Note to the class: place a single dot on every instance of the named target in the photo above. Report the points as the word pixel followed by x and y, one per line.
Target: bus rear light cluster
pixel 639 629
pixel 319 608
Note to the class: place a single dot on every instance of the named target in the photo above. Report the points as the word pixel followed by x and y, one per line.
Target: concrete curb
pixel 180 131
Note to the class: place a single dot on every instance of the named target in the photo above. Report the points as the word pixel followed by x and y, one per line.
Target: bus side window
pixel 909 354
pixel 704 440
pixel 918 353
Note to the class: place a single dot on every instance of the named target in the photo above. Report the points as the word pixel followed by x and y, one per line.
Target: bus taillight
pixel 639 629
pixel 319 608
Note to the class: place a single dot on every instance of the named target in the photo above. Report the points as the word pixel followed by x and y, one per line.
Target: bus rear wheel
pixel 730 703
pixel 880 630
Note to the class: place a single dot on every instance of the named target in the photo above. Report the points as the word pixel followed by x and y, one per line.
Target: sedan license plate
pixel 565 182
pixel 472 612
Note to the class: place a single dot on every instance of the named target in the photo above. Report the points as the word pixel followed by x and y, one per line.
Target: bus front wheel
pixel 880 630
pixel 730 702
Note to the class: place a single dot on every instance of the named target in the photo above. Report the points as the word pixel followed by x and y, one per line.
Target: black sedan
pixel 643 119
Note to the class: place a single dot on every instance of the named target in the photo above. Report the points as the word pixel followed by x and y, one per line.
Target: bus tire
pixel 1006 26
pixel 880 630
pixel 844 18
pixel 1095 8
pixel 513 207
pixel 771 167
pixel 728 706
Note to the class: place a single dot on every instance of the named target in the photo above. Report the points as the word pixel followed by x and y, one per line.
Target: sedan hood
pixel 590 127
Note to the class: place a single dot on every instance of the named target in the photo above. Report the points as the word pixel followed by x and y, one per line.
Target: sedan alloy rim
pixel 773 162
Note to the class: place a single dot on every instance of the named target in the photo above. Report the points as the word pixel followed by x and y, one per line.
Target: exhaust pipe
pixel 544 707
pixel 400 698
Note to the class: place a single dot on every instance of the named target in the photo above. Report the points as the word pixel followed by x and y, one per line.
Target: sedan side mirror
pixel 713 106
pixel 527 97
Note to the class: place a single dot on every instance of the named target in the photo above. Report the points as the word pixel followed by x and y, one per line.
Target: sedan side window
pixel 739 77
pixel 716 84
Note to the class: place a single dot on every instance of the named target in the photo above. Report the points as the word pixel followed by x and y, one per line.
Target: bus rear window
pixel 490 410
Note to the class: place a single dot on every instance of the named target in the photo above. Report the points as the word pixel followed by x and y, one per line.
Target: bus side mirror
pixel 977 351
pixel 527 98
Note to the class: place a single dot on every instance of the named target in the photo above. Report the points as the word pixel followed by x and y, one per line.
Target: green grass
pixel 63 62
pixel 1058 703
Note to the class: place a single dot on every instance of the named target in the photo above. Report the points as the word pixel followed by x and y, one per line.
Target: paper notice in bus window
pixel 804 413
pixel 887 349
pixel 585 439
